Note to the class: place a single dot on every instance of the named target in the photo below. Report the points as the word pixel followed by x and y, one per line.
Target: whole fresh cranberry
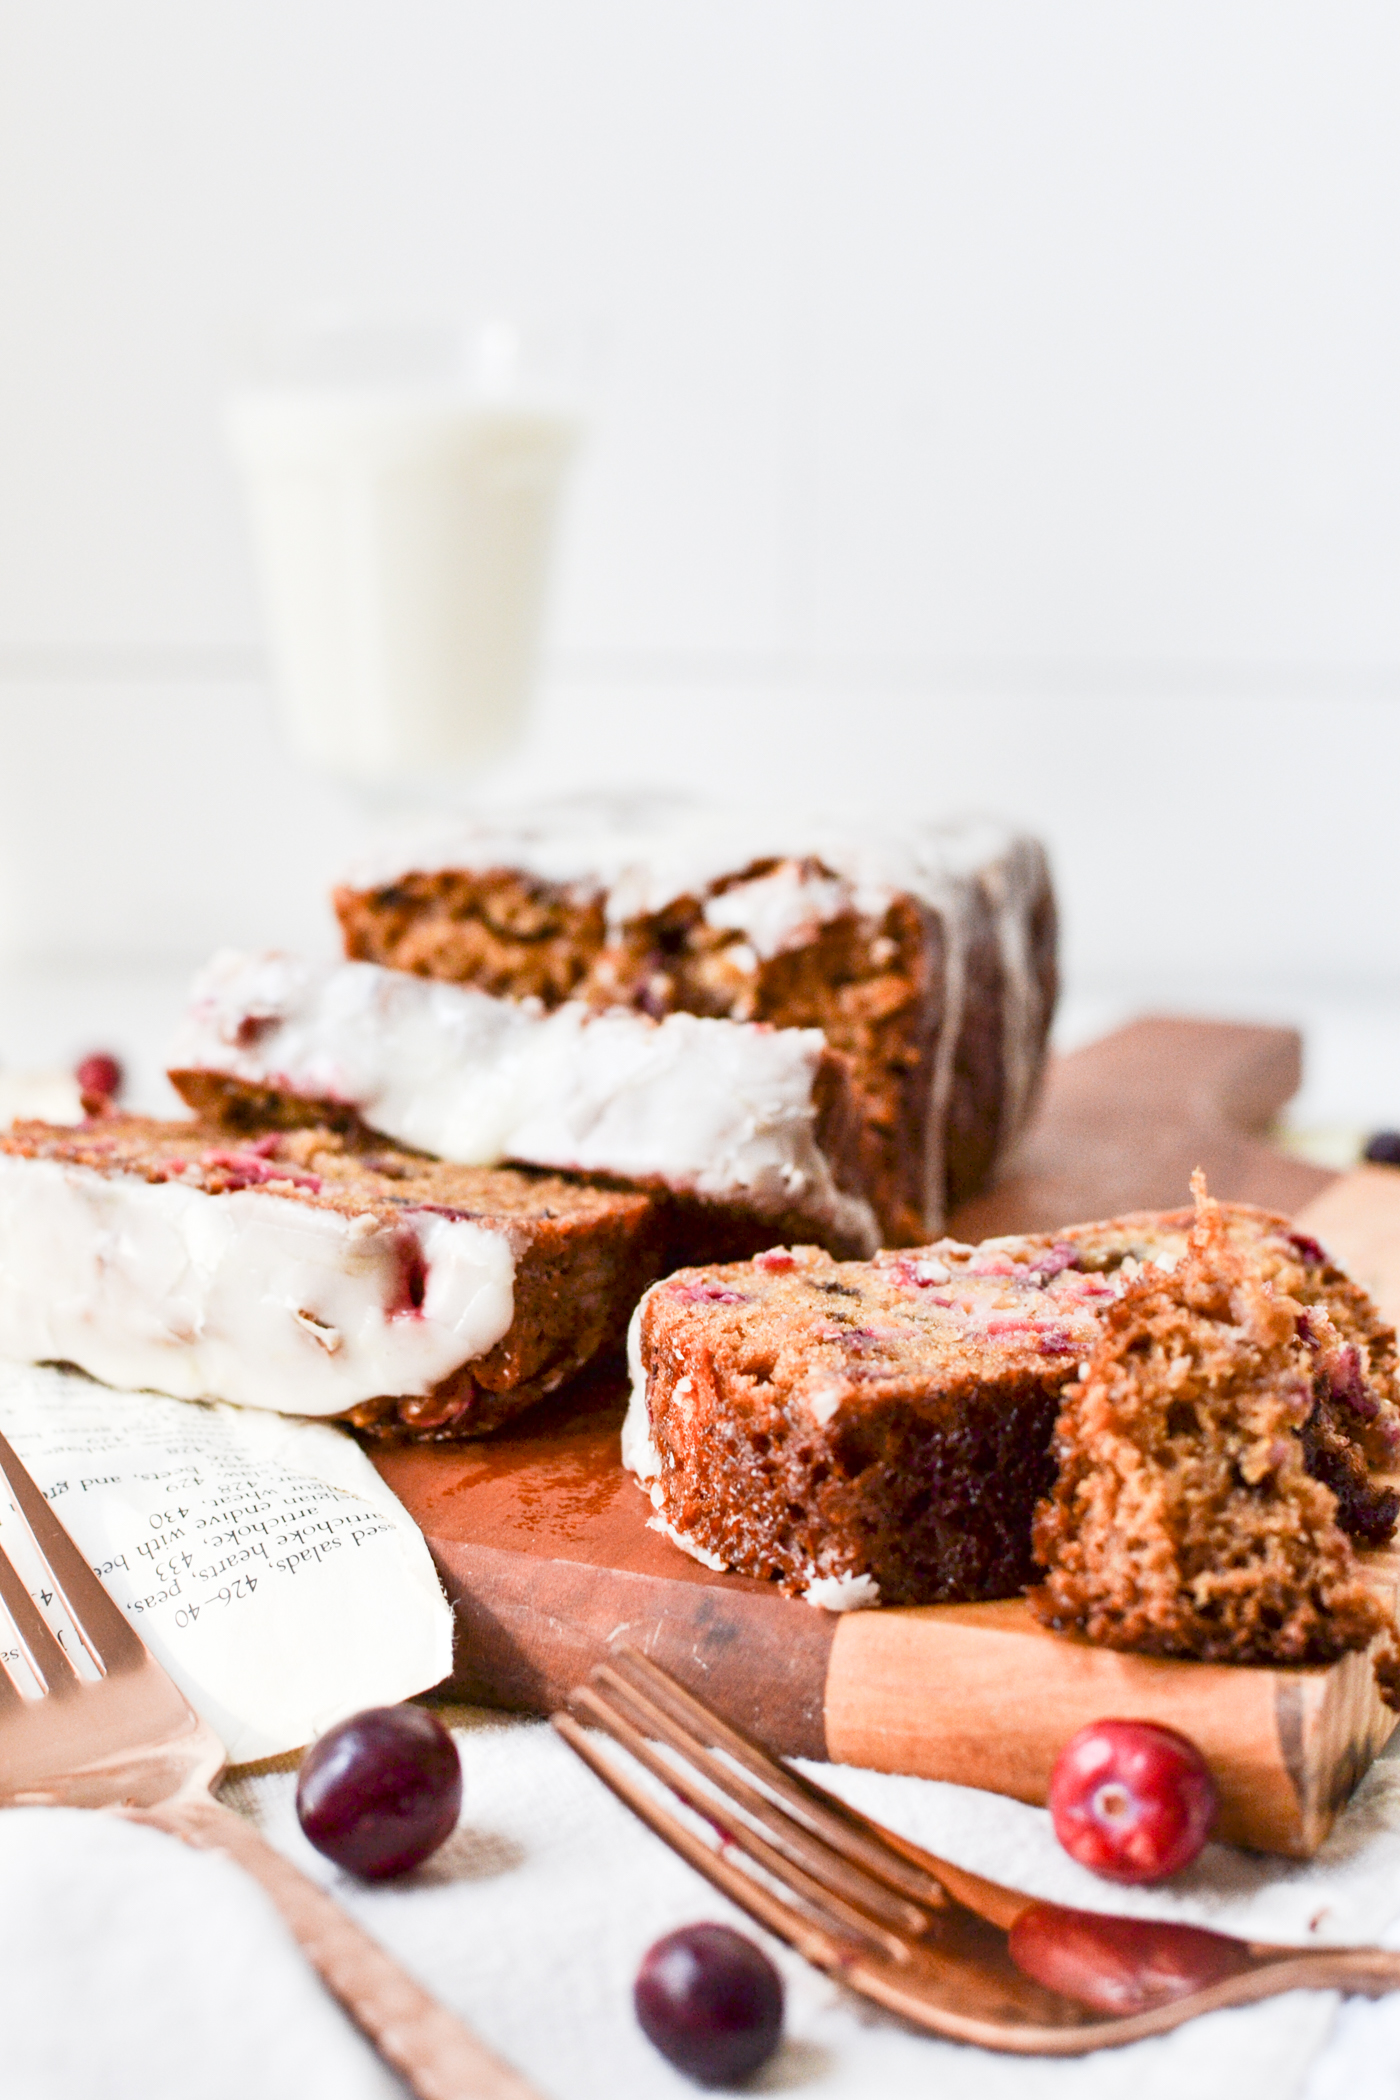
pixel 381 1791
pixel 711 2002
pixel 1383 1150
pixel 101 1074
pixel 1131 1800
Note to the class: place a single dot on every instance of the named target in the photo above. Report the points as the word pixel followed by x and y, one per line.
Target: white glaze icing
pixel 645 852
pixel 686 1543
pixel 953 913
pixel 781 910
pixel 639 1452
pixel 1009 880
pixel 722 1110
pixel 1012 882
pixel 243 1296
pixel 842 1592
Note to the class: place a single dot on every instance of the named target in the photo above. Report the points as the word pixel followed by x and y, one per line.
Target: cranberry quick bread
pixel 925 954
pixel 287 1272
pixel 880 1432
pixel 1185 1517
pixel 746 1127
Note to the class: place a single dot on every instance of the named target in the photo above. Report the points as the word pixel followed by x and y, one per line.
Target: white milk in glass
pixel 403 540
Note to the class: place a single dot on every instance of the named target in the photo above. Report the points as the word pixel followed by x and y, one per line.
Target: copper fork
pixel 110 1730
pixel 950 1951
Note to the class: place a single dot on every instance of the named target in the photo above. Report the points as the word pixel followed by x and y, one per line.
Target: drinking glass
pixel 402 482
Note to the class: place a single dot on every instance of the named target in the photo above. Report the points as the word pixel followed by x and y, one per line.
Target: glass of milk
pixel 403 487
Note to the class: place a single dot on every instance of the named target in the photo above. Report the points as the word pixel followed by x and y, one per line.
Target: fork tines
pixel 821 1876
pixel 100 1627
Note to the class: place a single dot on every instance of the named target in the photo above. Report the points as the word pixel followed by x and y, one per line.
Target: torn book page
pixel 261 1558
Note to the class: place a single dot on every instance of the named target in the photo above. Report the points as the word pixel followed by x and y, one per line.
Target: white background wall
pixel 1000 409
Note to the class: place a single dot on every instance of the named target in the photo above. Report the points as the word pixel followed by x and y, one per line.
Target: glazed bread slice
pixel 924 953
pixel 861 1432
pixel 880 1432
pixel 283 1270
pixel 733 1118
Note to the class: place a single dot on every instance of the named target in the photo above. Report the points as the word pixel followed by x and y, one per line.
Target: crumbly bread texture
pixel 1351 1436
pixel 1184 1519
pixel 582 1254
pixel 880 1431
pixel 936 983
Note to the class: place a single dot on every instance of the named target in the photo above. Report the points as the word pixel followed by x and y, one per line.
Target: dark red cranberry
pixel 253 1027
pixel 711 2002
pixel 412 1285
pixel 1309 1250
pixel 1056 1341
pixel 381 1791
pixel 251 1166
pixel 1120 1965
pixel 100 1074
pixel 1347 1383
pixel 1131 1800
pixel 1383 1150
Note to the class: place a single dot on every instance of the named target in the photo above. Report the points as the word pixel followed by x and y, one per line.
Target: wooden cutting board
pixel 542 1540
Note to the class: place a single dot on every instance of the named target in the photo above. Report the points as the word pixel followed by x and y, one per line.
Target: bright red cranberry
pixel 711 2002
pixel 1131 1800
pixel 381 1791
pixel 100 1074
pixel 1383 1150
pixel 1120 1965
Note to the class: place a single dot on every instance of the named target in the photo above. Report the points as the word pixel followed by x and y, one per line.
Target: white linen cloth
pixel 131 1969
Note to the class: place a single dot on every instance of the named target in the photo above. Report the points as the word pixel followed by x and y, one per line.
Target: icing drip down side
pixel 1013 883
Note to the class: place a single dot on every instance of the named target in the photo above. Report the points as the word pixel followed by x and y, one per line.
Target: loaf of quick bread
pixel 924 953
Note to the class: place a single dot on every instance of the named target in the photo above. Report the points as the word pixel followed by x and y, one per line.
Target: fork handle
pixel 428 2046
